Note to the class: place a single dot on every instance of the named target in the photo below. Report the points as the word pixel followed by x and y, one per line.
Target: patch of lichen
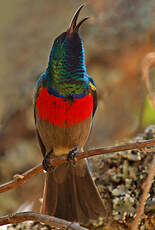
pixel 30 225
pixel 120 177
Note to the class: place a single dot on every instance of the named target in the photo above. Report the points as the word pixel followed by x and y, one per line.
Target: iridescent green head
pixel 66 61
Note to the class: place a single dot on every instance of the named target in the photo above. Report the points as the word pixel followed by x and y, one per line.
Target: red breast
pixel 62 113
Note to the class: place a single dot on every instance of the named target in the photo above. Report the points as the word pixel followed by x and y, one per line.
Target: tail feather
pixel 75 197
pixel 89 197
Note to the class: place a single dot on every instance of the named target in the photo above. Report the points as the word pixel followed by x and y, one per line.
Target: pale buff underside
pixel 62 140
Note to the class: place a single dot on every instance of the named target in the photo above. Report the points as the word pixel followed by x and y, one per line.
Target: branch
pixel 19 179
pixel 49 220
pixel 146 189
pixel 148 62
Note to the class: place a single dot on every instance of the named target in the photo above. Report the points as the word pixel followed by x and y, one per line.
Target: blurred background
pixel 116 38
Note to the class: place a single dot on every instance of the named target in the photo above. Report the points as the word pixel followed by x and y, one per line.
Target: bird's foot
pixel 46 163
pixel 71 156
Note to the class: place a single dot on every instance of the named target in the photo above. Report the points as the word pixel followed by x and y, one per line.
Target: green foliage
pixel 149 113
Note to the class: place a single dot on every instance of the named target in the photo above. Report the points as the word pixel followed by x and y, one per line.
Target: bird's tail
pixel 71 194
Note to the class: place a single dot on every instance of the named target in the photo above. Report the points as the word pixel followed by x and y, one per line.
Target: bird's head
pixel 68 48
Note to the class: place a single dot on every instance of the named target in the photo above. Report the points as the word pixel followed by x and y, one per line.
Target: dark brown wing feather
pixel 94 94
pixel 42 147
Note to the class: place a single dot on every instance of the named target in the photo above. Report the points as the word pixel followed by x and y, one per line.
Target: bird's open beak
pixel 73 26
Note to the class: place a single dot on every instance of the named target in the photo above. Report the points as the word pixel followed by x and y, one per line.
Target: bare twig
pixel 146 189
pixel 49 220
pixel 60 160
pixel 21 178
pixel 147 63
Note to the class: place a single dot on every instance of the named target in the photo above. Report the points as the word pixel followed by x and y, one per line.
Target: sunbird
pixel 65 102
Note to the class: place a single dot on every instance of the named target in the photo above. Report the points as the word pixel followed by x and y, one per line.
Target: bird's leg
pixel 46 162
pixel 71 155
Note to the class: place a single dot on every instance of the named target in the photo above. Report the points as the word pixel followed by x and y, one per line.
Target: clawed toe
pixel 46 163
pixel 71 156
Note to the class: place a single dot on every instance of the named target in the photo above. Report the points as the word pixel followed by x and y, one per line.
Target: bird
pixel 65 102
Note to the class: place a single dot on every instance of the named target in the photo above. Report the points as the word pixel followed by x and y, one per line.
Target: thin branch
pixel 146 189
pixel 49 220
pixel 19 179
pixel 147 63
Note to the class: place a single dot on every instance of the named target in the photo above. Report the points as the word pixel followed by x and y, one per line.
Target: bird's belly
pixel 63 125
pixel 61 139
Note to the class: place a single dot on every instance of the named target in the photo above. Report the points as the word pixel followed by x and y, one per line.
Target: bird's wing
pixel 93 91
pixel 37 88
